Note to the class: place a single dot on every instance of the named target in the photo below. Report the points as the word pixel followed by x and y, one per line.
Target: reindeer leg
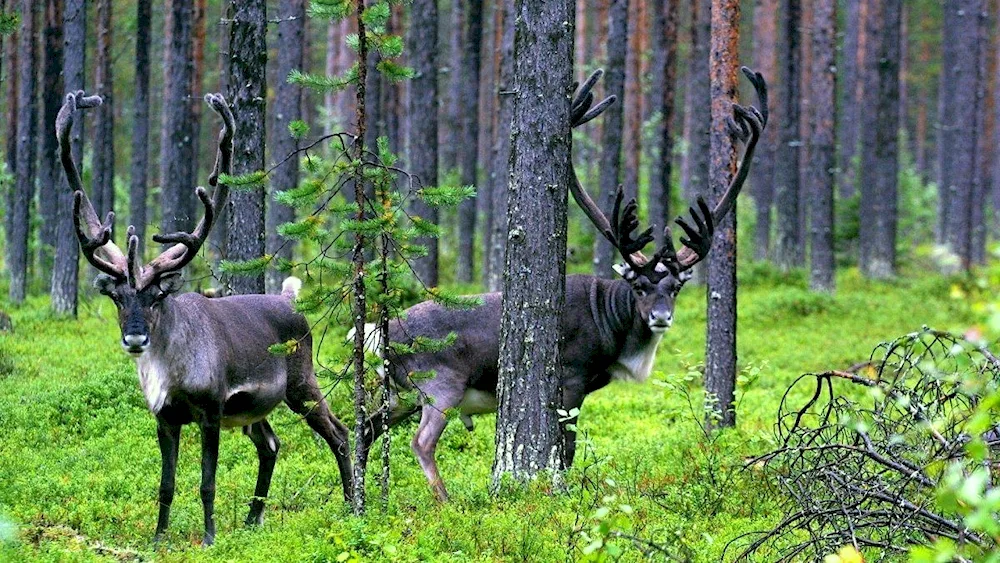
pixel 317 414
pixel 267 444
pixel 386 418
pixel 169 437
pixel 572 399
pixel 210 429
pixel 432 425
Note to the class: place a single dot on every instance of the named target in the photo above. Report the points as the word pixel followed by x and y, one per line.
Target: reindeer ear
pixel 170 283
pixel 624 270
pixel 105 284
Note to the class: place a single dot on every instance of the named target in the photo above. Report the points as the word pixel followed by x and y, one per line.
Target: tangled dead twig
pixel 859 461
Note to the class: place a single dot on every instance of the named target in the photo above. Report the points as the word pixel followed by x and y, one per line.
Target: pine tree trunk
pixel 805 81
pixel 176 133
pixel 765 40
pixel 468 148
pixel 140 123
pixel 996 129
pixel 499 172
pixel 847 138
pixel 27 131
pixel 487 128
pixel 49 169
pixel 698 119
pixel 977 208
pixel 788 251
pixel 528 438
pixel 196 105
pixel 104 116
pixel 219 237
pixel 880 147
pixel 248 64
pixel 823 163
pixel 632 105
pixel 13 86
pixel 664 84
pixel 333 45
pixel 287 108
pixel 720 341
pixel 65 271
pixel 947 126
pixel 612 122
pixel 422 140
pixel 451 110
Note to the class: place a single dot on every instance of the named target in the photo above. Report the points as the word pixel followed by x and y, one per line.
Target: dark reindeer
pixel 609 329
pixel 200 360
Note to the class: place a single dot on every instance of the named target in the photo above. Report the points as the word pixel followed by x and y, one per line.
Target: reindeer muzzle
pixel 135 344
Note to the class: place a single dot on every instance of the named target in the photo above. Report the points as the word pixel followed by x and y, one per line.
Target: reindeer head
pixel 138 291
pixel 656 281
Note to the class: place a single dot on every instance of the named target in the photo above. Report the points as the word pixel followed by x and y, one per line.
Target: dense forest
pixel 338 182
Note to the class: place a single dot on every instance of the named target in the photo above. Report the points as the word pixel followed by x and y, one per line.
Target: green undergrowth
pixel 79 465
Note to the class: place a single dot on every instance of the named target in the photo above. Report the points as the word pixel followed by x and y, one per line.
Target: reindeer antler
pixel 94 236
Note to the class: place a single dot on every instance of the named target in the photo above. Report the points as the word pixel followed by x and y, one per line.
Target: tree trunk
pixel 947 126
pixel 880 148
pixel 499 172
pixel 980 178
pixel 765 39
pixel 140 125
pixel 27 130
pixel 197 88
pixel 468 147
pixel 664 83
pixel 422 140
pixel 287 108
pixel 49 169
pixel 487 127
pixel 823 163
pixel 847 139
pixel 219 237
pixel 611 135
pixel 996 130
pixel 13 86
pixel 805 80
pixel 104 116
pixel 451 109
pixel 334 42
pixel 632 103
pixel 698 117
pixel 176 133
pixel 720 341
pixel 248 94
pixel 65 271
pixel 788 251
pixel 528 439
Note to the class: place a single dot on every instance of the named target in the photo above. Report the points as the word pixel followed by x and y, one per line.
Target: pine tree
pixel 49 169
pixel 140 123
pixel 27 125
pixel 823 164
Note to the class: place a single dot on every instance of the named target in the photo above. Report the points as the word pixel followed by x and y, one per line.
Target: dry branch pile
pixel 860 459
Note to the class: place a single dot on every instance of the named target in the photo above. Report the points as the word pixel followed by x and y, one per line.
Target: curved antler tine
pixel 596 110
pixel 224 158
pixel 186 245
pixel 588 85
pixel 134 263
pixel 577 112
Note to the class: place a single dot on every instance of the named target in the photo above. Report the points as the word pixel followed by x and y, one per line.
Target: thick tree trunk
pixel 197 88
pixel 140 124
pixel 947 126
pixel 65 271
pixel 847 139
pixel 698 116
pixel 104 116
pixel 720 341
pixel 880 148
pixel 823 163
pixel 49 168
pixel 468 149
pixel 765 40
pixel 451 107
pixel 499 167
pixel 996 129
pixel 632 103
pixel 248 94
pixel 611 135
pixel 664 83
pixel 980 179
pixel 287 108
pixel 27 131
pixel 176 133
pixel 528 438
pixel 13 85
pixel 422 140
pixel 788 250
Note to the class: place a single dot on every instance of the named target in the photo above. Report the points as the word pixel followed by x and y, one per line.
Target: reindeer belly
pixel 250 404
pixel 475 401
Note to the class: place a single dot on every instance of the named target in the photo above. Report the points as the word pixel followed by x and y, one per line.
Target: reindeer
pixel 609 329
pixel 200 360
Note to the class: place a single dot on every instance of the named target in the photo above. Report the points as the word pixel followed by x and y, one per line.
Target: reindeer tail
pixel 290 287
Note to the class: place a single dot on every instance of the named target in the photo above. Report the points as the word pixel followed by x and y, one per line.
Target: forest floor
pixel 79 465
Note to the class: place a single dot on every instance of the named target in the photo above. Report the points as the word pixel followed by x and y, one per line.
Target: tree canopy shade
pixel 528 439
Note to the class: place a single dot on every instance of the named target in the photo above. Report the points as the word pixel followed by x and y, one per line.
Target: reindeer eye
pixel 640 292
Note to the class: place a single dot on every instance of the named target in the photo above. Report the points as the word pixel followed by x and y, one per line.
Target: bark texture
pixel 422 138
pixel 247 96
pixel 65 270
pixel 140 125
pixel 765 42
pixel 880 149
pixel 104 116
pixel 720 341
pixel 823 150
pixel 633 102
pixel 468 147
pixel 849 101
pixel 499 171
pixel 664 80
pixel 528 439
pixel 788 249
pixel 176 194
pixel 287 108
pixel 698 114
pixel 49 168
pixel 27 130
pixel 612 123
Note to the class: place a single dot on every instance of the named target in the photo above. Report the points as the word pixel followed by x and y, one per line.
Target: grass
pixel 79 465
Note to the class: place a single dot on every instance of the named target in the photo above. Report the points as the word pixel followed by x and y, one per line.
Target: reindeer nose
pixel 660 320
pixel 135 342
